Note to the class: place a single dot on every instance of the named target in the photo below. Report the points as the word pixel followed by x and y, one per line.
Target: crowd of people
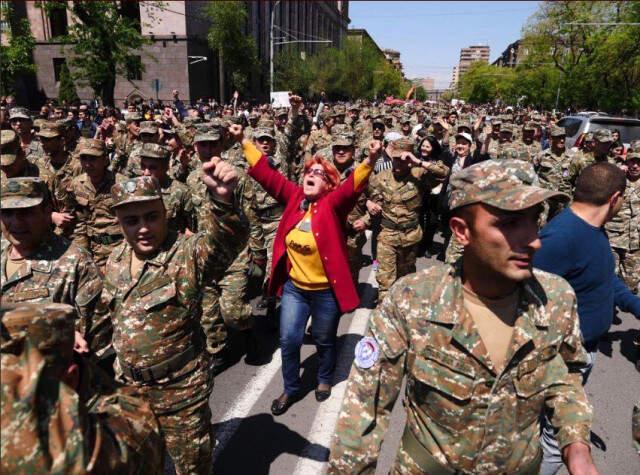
pixel 160 225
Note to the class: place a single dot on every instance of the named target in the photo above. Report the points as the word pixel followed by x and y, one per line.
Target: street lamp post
pixel 273 18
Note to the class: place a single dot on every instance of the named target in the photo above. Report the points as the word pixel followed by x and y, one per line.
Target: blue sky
pixel 429 35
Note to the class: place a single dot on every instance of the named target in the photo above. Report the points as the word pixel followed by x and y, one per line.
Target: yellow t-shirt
pixel 307 271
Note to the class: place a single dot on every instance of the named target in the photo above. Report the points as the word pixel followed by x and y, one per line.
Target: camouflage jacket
pixel 582 160
pixel 156 315
pixel 34 151
pixel 177 202
pixel 401 199
pixel 553 171
pixel 61 272
pixel 177 171
pixel 462 412
pixel 97 229
pixel 318 139
pixel 624 228
pixel 32 170
pixel 118 434
pixel 509 150
pixel 61 182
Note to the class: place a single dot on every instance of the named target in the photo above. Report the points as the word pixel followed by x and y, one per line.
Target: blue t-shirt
pixel 581 253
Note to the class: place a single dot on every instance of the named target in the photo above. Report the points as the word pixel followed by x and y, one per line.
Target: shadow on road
pixel 258 442
pixel 627 348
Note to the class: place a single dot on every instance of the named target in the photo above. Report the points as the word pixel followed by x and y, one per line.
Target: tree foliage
pixel 583 54
pixel 227 36
pixel 102 37
pixel 357 70
pixel 67 93
pixel 15 56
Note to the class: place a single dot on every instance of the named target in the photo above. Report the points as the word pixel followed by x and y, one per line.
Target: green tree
pixel 15 56
pixel 421 93
pixel 102 38
pixel 291 71
pixel 67 93
pixel 237 52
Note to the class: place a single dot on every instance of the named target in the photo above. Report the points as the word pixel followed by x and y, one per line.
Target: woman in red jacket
pixel 310 266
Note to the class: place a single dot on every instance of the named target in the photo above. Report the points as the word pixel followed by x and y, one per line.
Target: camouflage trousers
pixel 269 229
pixel 354 254
pixel 394 261
pixel 188 435
pixel 454 251
pixel 628 267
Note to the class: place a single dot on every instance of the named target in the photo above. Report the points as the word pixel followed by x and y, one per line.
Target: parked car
pixel 579 124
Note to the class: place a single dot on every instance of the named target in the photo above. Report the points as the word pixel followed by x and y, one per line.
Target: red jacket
pixel 328 221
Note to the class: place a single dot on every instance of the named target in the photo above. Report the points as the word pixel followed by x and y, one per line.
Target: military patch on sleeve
pixel 367 352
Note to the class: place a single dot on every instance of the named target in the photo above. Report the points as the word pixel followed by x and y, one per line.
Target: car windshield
pixel 571 125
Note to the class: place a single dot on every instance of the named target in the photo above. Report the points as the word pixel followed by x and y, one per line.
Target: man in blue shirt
pixel 575 246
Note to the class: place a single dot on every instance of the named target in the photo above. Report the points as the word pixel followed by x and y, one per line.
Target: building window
pixel 57 68
pixel 58 21
pixel 134 68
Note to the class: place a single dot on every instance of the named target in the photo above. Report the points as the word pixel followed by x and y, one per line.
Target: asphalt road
pixel 252 441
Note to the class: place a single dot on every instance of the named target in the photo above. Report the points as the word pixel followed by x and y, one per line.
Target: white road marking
pixel 324 423
pixel 251 393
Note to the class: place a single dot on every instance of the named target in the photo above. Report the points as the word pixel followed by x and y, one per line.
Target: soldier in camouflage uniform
pixel 486 345
pixel 400 191
pixel 21 123
pixel 91 426
pixel 14 163
pixel 39 266
pixel 603 140
pixel 59 163
pixel 149 133
pixel 343 157
pixel 532 146
pixel 553 165
pixel 97 229
pixel 321 138
pixel 254 117
pixel 153 286
pixel 505 147
pixel 154 162
pixel 624 228
pixel 126 143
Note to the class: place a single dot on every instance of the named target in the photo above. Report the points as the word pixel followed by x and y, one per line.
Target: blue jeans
pixel 551 456
pixel 295 308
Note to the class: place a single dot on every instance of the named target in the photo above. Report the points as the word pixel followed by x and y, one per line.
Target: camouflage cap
pixel 354 107
pixel 339 110
pixel 23 192
pixel 19 113
pixel 93 147
pixel 634 146
pixel 9 146
pixel 343 138
pixel 463 125
pixel 405 119
pixel 557 131
pixel 633 156
pixel 148 127
pixel 51 129
pixel 506 127
pixel 209 132
pixel 504 184
pixel 378 122
pixel 399 146
pixel 49 326
pixel 530 126
pixel 280 112
pixel 254 116
pixel 133 116
pixel 135 190
pixel 191 121
pixel 496 121
pixel 38 123
pixel 153 150
pixel 603 135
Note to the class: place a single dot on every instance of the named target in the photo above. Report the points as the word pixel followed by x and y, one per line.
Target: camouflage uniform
pixel 464 416
pixel 156 321
pixel 114 433
pixel 318 139
pixel 97 229
pixel 10 144
pixel 58 271
pixel 401 200
pixel 62 173
pixel 624 235
pixel 583 160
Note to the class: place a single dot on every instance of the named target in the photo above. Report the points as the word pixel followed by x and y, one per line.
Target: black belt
pixel 429 464
pixel 387 223
pixel 161 370
pixel 106 239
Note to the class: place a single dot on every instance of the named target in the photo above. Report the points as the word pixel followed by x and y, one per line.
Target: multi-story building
pixel 178 56
pixel 361 35
pixel 427 83
pixel 455 77
pixel 470 55
pixel 393 57
pixel 511 56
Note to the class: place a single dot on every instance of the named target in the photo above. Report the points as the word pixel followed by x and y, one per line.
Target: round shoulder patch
pixel 367 352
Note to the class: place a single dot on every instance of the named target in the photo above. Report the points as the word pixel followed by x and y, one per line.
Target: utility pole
pixel 273 18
